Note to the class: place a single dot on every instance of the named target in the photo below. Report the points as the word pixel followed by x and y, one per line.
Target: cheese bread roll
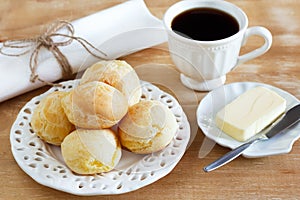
pixel 91 151
pixel 49 121
pixel 95 105
pixel 118 74
pixel 149 126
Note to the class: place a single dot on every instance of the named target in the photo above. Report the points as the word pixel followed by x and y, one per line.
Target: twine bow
pixel 45 40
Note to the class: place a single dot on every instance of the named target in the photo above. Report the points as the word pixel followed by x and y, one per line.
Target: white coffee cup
pixel 204 64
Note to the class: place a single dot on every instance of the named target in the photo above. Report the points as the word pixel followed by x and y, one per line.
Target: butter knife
pixel 291 117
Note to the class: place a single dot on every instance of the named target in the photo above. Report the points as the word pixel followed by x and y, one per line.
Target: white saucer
pixel 207 85
pixel 218 98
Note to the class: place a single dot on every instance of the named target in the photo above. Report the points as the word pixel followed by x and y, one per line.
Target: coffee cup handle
pixel 260 31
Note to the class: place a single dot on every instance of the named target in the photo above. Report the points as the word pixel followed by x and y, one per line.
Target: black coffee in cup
pixel 205 24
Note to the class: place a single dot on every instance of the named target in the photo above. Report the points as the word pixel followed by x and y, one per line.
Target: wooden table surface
pixel 273 177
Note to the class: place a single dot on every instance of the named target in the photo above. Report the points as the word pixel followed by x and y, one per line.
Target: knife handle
pixel 230 155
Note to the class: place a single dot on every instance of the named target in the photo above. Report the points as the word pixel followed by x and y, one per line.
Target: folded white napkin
pixel 117 31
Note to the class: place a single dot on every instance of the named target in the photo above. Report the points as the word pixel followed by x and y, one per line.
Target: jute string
pixel 45 40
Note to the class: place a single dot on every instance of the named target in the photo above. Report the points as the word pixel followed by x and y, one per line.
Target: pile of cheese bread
pixel 81 120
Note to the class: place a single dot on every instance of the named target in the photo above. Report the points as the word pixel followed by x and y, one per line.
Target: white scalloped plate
pixel 217 99
pixel 44 162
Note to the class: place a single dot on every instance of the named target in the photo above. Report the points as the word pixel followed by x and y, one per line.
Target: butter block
pixel 250 113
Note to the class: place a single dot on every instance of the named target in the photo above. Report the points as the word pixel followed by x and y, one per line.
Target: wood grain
pixel 273 177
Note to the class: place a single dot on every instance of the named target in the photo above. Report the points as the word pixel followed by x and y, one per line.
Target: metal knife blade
pixel 291 117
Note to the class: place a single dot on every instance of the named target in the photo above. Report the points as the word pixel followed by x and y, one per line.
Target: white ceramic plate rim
pixel 218 98
pixel 44 163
